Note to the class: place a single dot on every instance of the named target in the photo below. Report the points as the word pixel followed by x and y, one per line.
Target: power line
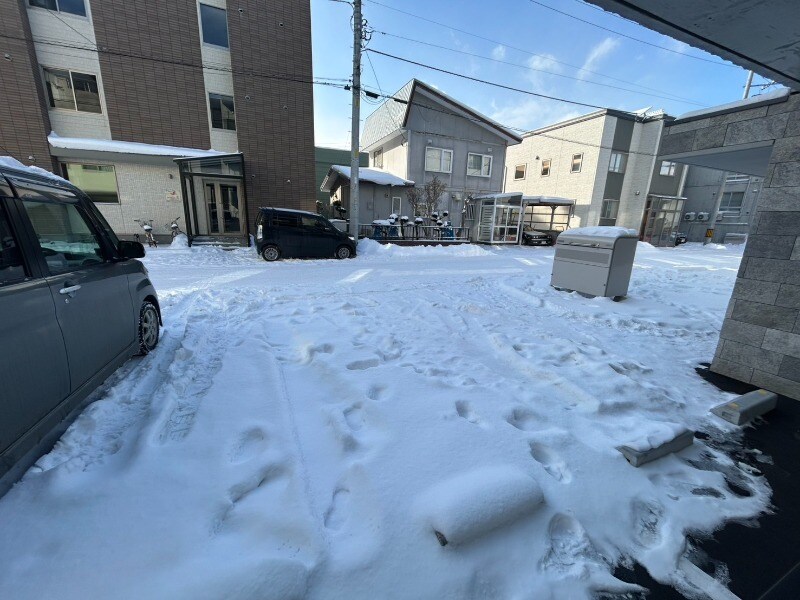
pixel 491 83
pixel 630 37
pixel 527 132
pixel 505 62
pixel 329 81
pixel 53 13
pixel 517 48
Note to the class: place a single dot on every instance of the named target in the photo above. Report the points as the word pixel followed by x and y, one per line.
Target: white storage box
pixel 595 260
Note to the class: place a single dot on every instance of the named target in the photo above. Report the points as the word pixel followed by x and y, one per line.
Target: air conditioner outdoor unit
pixel 719 216
pixel 703 216
pixel 689 216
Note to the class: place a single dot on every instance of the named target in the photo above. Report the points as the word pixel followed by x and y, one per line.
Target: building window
pixel 99 182
pixel 377 158
pixel 667 168
pixel 214 22
pixel 73 7
pixel 577 162
pixel 479 165
pixel 397 205
pixel 438 160
pixel 737 178
pixel 519 172
pixel 71 90
pixel 223 114
pixel 731 203
pixel 618 162
pixel 546 167
pixel 608 212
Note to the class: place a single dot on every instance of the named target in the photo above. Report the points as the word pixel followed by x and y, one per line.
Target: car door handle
pixel 69 289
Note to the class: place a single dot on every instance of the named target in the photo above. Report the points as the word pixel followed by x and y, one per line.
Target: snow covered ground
pixel 302 421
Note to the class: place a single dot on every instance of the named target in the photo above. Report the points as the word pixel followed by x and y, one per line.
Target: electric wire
pixel 505 62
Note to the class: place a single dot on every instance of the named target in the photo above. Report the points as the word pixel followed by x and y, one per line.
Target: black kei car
pixel 74 306
pixel 288 233
pixel 534 237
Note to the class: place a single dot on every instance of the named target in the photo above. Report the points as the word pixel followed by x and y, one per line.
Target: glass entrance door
pixel 223 208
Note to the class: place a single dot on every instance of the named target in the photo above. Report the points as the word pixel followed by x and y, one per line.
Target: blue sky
pixel 522 33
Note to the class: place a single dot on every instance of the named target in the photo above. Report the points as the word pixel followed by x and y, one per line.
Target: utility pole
pixel 712 216
pixel 747 85
pixel 356 116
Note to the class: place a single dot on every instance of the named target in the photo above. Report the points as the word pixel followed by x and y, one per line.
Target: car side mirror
pixel 131 249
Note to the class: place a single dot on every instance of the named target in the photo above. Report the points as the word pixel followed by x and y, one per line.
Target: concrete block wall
pixel 760 337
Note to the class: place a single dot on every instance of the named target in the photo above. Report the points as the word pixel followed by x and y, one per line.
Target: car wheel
pixel 270 253
pixel 148 327
pixel 343 252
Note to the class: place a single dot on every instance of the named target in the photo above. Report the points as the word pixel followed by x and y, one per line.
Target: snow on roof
pixel 69 143
pixel 603 231
pixel 291 210
pixel 13 163
pixel 376 176
pixel 518 197
pixel 732 106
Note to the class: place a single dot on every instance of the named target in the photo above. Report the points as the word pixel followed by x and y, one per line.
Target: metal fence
pixel 413 232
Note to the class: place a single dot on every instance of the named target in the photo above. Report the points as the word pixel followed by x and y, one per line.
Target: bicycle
pixel 175 228
pixel 147 226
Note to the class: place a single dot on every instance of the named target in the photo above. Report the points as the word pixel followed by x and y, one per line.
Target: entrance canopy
pixel 214 197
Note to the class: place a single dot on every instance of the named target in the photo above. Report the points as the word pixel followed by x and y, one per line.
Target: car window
pixel 314 223
pixel 110 232
pixel 65 236
pixel 11 267
pixel 285 220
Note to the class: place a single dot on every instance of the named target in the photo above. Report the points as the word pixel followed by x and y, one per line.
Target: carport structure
pixel 503 217
pixel 760 338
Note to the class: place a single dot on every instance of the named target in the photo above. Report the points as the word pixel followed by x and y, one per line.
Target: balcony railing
pixel 413 232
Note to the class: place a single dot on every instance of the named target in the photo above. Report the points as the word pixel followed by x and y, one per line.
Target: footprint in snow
pixel 571 551
pixel 551 461
pixel 354 416
pixel 464 410
pixel 376 392
pixel 337 512
pixel 363 365
pixel 310 352
pixel 524 419
pixel 647 516
pixel 238 493
pixel 249 445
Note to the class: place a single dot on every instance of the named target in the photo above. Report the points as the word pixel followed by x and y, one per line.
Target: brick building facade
pixel 163 81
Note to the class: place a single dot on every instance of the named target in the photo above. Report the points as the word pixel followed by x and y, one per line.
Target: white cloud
pixel 597 54
pixel 544 62
pixel 499 52
pixel 530 113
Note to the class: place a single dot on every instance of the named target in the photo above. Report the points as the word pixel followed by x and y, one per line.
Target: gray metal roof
pixel 392 115
pixel 388 118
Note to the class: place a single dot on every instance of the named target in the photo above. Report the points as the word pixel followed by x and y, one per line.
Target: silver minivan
pixel 74 306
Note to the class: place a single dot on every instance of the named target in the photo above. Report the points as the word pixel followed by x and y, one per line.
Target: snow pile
pixel 469 505
pixel 180 241
pixel 656 435
pixel 371 249
pixel 304 424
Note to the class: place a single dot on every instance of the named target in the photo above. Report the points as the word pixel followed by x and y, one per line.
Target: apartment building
pixel 199 110
pixel 737 207
pixel 606 162
pixel 421 133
